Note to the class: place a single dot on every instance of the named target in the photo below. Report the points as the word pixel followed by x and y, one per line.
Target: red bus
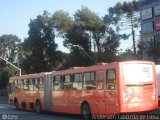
pixel 26 91
pixel 102 89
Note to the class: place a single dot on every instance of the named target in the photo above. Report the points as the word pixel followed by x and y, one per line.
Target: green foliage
pixel 10 50
pixel 40 47
pixel 127 55
pixel 91 22
pixel 73 34
pixel 87 19
pixel 76 36
pixel 61 21
pixel 88 31
pixel 127 14
pixel 9 47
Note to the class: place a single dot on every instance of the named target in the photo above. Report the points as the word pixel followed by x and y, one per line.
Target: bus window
pixel 100 80
pixel 26 84
pixel 36 84
pixel 41 84
pixel 31 83
pixel 111 77
pixel 57 83
pixel 12 86
pixel 67 84
pixel 89 81
pixel 19 84
pixel 16 85
pixel 77 81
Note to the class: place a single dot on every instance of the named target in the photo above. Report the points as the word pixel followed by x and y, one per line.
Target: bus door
pixel 100 92
pixel 111 91
pixel 48 91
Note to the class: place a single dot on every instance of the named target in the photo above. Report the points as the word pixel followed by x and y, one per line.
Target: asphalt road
pixel 8 112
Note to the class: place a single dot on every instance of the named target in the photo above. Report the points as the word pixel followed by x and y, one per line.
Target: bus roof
pixel 98 66
pixel 29 76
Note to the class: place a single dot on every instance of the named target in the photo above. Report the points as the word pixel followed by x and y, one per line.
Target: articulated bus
pixel 102 89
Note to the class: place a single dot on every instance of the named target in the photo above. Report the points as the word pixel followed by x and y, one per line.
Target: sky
pixel 15 15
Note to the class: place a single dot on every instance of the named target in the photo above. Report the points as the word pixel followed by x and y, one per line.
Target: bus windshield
pixel 137 73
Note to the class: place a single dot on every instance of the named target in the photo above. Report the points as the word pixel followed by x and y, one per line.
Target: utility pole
pixel 12 65
pixel 133 36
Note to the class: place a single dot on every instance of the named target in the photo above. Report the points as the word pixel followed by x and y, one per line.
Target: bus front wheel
pixel 85 112
pixel 38 107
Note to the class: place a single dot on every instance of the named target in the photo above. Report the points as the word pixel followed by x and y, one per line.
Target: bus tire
pixel 38 107
pixel 16 104
pixel 86 112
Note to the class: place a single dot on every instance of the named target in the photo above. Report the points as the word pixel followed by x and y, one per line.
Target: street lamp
pixel 12 65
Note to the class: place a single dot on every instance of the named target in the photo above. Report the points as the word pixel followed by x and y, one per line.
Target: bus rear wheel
pixel 85 112
pixel 38 107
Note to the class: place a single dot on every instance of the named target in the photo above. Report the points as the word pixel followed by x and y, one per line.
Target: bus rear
pixel 138 87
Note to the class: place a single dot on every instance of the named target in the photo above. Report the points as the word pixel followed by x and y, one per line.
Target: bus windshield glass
pixel 137 73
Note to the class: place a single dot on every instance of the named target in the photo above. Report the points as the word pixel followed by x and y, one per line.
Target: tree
pixel 110 46
pixel 10 50
pixel 88 31
pixel 76 36
pixel 10 47
pixel 147 49
pixel 72 33
pixel 92 25
pixel 40 47
pixel 62 22
pixel 128 55
pixel 128 13
pixel 112 37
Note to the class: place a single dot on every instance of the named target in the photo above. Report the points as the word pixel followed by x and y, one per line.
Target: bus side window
pixel 19 84
pixel 22 83
pixel 67 84
pixel 100 77
pixel 77 81
pixel 15 85
pixel 41 85
pixel 57 83
pixel 11 85
pixel 89 81
pixel 36 84
pixel 31 83
pixel 26 84
pixel 111 77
